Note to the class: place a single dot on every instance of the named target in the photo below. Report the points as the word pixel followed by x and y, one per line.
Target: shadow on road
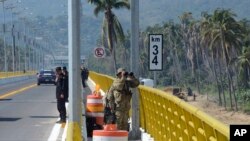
pixel 43 116
pixel 10 119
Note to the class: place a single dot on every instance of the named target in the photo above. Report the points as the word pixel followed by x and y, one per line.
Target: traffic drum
pixel 95 108
pixel 110 133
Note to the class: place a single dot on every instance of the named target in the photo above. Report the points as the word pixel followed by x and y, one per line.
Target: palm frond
pixel 96 2
pixel 118 29
pixel 122 4
pixel 98 9
pixel 104 33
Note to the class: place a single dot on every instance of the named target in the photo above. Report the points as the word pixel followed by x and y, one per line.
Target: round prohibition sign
pixel 99 52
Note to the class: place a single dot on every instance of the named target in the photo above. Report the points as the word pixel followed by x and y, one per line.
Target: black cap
pixel 58 68
pixel 64 68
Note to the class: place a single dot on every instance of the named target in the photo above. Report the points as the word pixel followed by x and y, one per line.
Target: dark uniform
pixel 66 83
pixel 60 96
pixel 119 97
pixel 84 76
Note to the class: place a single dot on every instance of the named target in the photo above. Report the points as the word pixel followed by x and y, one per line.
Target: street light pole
pixel 13 37
pixel 25 47
pixel 75 101
pixel 4 40
pixel 135 133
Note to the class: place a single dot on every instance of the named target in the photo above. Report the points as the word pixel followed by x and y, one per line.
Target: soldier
pixel 60 95
pixel 119 97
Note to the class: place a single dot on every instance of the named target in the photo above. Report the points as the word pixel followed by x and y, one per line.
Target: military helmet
pixel 120 70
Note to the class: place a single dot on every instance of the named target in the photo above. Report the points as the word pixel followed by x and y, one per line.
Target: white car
pixel 147 82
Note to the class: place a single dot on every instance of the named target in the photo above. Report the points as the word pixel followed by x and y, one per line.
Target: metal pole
pixel 135 133
pixel 13 37
pixel 19 50
pixel 43 59
pixel 29 48
pixel 155 83
pixel 25 47
pixel 4 40
pixel 13 42
pixel 75 101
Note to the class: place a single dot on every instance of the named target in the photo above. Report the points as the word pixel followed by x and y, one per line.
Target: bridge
pixel 161 116
pixel 166 117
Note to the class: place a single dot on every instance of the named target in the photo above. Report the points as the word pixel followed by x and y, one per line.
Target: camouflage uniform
pixel 119 97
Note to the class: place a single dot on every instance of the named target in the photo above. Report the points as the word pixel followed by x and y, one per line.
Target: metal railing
pixel 166 117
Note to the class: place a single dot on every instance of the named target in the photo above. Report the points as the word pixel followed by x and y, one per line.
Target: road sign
pixel 155 52
pixel 99 52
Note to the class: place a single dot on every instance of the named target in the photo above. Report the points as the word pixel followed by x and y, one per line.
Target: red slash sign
pixel 99 52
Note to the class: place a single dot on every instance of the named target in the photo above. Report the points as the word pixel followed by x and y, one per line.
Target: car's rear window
pixel 47 72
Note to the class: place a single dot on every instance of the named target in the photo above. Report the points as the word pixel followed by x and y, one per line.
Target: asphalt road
pixel 28 112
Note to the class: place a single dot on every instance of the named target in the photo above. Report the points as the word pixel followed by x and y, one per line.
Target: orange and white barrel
pixel 95 108
pixel 110 133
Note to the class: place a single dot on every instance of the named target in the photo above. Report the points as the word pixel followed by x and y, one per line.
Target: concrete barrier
pixel 15 79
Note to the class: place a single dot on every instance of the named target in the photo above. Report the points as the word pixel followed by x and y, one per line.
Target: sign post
pixel 155 53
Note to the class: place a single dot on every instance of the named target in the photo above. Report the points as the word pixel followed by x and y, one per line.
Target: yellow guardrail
pixel 104 81
pixel 168 118
pixel 15 74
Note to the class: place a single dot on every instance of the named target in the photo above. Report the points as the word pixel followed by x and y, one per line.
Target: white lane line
pixel 56 129
pixel 55 132
pixel 64 135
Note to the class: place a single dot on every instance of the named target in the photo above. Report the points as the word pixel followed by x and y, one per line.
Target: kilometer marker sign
pixel 155 52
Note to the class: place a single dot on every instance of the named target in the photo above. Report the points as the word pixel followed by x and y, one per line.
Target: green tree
pixel 112 29
pixel 226 31
pixel 206 26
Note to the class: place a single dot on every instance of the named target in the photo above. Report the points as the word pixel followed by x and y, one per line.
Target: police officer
pixel 84 76
pixel 60 95
pixel 119 97
pixel 66 83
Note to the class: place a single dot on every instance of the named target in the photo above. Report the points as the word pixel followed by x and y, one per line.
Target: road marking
pixel 65 132
pixel 17 91
pixel 57 128
pixel 55 132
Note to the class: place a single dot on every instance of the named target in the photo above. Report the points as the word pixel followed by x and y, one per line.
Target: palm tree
pixel 226 31
pixel 206 25
pixel 112 29
pixel 174 39
pixel 243 61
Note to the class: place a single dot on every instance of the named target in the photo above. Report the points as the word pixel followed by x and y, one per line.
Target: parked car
pixel 46 77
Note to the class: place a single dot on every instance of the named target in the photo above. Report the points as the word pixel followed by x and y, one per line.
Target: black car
pixel 46 77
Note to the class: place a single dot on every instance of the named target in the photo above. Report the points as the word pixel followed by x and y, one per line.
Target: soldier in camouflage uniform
pixel 119 97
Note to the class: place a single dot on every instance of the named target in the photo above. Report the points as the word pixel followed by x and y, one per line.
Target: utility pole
pixel 75 101
pixel 135 133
